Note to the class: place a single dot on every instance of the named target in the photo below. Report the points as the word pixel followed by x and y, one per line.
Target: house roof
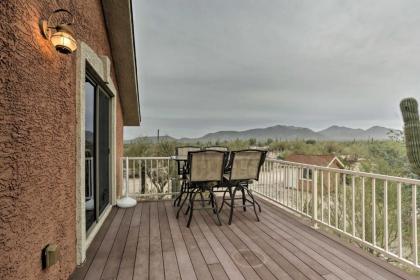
pixel 119 23
pixel 319 160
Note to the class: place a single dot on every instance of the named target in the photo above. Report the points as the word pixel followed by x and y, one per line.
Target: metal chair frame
pixel 200 187
pixel 232 186
pixel 182 172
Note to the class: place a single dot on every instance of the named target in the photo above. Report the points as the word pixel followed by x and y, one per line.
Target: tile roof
pixel 319 160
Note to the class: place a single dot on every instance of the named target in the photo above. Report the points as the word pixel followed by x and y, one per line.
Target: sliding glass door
pixel 103 149
pixel 97 150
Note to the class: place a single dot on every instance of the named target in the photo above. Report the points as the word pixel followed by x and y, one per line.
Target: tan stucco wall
pixel 38 135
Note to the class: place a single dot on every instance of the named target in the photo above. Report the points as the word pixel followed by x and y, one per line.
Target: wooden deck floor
pixel 147 242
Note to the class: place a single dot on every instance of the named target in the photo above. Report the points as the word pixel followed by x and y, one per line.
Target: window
pixel 307 174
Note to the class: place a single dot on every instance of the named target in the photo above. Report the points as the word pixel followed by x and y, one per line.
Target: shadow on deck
pixel 147 242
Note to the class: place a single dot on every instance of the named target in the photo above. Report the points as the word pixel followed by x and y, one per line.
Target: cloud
pixel 210 65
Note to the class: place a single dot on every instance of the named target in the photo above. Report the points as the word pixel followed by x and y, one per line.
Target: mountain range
pixel 284 132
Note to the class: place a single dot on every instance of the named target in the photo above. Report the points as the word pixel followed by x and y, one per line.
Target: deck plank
pixel 247 270
pixel 101 257
pixel 148 242
pixel 129 256
pixel 141 266
pixel 200 266
pixel 157 271
pixel 81 271
pixel 115 256
pixel 202 243
pixel 311 257
pixel 186 268
pixel 218 272
pixel 228 264
pixel 332 249
pixel 275 261
pixel 168 250
pixel 282 235
pixel 306 265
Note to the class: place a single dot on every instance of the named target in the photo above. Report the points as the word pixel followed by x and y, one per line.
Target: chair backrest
pixel 183 151
pixel 206 166
pixel 217 148
pixel 246 164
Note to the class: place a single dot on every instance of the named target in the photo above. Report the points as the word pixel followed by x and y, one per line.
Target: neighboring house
pixel 61 128
pixel 304 176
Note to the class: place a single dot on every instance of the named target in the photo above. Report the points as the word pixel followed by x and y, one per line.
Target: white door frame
pixel 101 65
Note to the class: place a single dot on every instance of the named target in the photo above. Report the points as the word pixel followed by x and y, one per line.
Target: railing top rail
pixel 144 158
pixel 350 172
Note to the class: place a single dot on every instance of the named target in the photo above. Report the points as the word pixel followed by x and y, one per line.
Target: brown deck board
pixel 141 266
pixel 247 270
pixel 168 250
pixel 186 268
pixel 217 271
pixel 96 268
pixel 156 257
pixel 148 242
pixel 81 271
pixel 204 246
pixel 200 266
pixel 114 259
pixel 357 261
pixel 126 269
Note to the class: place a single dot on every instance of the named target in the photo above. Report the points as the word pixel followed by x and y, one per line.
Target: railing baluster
pixel 322 196
pixel 315 194
pixel 329 198
pixel 287 184
pixel 386 214
pixel 273 188
pixel 296 187
pixel 353 220
pixel 374 211
pixel 336 200
pixel 307 190
pixel 400 248
pixel 302 191
pixel 363 210
pixel 277 182
pixel 126 174
pixel 345 203
pixel 414 213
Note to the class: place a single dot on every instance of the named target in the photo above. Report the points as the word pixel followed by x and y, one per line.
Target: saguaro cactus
pixel 409 110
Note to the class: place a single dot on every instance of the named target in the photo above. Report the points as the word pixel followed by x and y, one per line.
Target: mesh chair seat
pixel 245 168
pixel 205 168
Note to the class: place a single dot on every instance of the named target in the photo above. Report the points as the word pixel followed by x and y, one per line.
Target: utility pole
pixel 158 136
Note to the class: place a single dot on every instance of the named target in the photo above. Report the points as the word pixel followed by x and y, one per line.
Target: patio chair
pixel 245 168
pixel 183 169
pixel 204 169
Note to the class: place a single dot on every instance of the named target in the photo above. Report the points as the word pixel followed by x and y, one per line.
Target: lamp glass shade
pixel 64 42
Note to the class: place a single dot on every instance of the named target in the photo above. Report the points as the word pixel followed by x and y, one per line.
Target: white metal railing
pixel 148 177
pixel 379 211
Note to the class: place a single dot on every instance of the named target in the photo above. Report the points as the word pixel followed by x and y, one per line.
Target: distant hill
pixel 341 133
pixel 283 132
pixel 280 132
pixel 152 139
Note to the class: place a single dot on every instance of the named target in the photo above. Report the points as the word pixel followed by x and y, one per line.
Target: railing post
pixel 127 170
pixel 315 197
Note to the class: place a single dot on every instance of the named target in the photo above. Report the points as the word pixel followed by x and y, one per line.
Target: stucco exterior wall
pixel 37 135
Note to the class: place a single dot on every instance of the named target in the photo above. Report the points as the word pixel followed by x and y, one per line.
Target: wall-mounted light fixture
pixel 61 33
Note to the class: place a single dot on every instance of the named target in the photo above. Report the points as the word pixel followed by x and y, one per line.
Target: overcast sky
pixel 208 65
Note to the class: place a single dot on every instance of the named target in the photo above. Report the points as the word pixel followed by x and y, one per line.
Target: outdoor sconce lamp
pixel 60 34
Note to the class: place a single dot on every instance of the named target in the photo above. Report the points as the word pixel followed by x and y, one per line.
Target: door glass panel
pixel 90 154
pixel 103 149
